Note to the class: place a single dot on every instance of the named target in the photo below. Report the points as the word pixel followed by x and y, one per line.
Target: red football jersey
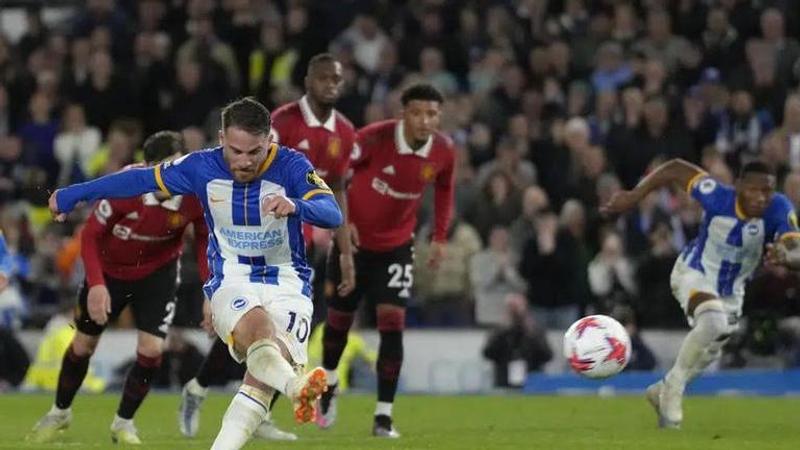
pixel 327 145
pixel 389 178
pixel 130 238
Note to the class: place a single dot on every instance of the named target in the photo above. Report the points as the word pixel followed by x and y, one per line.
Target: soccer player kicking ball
pixel 393 163
pixel 255 196
pixel 130 250
pixel 310 125
pixel 709 277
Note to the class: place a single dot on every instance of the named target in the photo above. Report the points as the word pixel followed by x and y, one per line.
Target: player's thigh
pixel 239 316
pixel 154 300
pixel 291 314
pixel 390 276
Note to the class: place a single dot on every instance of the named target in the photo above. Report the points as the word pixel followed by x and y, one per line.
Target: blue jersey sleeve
pixel 124 184
pixel 781 217
pixel 314 199
pixel 5 258
pixel 712 195
pixel 175 177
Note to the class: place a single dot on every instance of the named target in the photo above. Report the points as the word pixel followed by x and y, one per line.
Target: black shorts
pixel 382 277
pixel 152 299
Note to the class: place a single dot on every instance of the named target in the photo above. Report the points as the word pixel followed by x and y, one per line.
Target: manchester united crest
pixel 427 172
pixel 334 147
pixel 175 220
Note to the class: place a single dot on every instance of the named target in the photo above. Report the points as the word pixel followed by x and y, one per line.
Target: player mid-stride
pixel 709 277
pixel 130 249
pixel 255 195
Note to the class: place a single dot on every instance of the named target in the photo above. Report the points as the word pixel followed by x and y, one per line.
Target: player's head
pixel 245 137
pixel 422 110
pixel 754 188
pixel 163 145
pixel 324 79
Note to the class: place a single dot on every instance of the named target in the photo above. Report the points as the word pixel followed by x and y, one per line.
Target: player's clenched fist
pixel 58 216
pixel 277 205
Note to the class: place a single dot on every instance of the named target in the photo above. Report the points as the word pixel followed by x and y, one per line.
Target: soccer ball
pixel 597 346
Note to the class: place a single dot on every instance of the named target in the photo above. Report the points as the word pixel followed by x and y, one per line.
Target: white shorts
pixel 686 282
pixel 289 310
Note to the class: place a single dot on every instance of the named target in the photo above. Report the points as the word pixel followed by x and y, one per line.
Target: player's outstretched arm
pixel 320 210
pixel 128 183
pixel 674 171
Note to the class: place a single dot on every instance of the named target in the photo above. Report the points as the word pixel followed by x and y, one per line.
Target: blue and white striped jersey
pixel 729 246
pixel 243 244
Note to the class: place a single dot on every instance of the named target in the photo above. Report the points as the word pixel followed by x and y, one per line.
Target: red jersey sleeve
pixel 443 196
pixel 347 134
pixel 200 240
pixel 99 223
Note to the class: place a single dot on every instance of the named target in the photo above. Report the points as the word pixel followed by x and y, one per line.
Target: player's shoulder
pixel 778 206
pixel 286 111
pixel 444 142
pixel 380 128
pixel 288 157
pixel 343 124
pixel 196 157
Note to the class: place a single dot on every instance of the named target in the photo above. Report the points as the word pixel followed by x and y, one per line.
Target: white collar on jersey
pixel 404 149
pixel 172 203
pixel 312 121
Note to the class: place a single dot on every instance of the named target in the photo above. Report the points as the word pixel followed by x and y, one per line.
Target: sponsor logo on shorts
pixel 238 303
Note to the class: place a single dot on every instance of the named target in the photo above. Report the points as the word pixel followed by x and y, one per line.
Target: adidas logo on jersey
pixel 388 170
pixel 303 145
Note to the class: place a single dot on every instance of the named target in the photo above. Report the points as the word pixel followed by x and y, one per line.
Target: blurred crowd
pixel 553 105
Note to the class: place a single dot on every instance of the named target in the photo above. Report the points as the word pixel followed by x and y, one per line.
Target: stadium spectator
pixel 519 348
pixel 446 295
pixel 611 275
pixel 494 277
pixel 642 358
pixel 75 146
pixel 534 202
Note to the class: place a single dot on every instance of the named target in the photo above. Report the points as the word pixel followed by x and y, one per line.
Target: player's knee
pixel 254 326
pixel 150 349
pixel 391 318
pixel 84 345
pixel 712 317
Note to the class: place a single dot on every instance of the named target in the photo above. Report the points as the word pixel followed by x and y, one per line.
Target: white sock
pixel 332 376
pixel 247 411
pixel 710 324
pixel 195 389
pixel 267 365
pixel 383 409
pixel 58 411
pixel 119 421
pixel 709 355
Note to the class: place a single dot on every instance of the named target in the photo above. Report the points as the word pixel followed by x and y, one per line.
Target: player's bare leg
pixel 137 384
pixel 268 364
pixel 391 321
pixel 196 390
pixel 73 370
pixel 700 347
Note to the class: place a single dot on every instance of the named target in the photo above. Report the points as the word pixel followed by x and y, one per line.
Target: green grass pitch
pixel 431 422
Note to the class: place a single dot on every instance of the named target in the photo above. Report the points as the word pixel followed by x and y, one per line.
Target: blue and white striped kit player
pixel 729 246
pixel 255 259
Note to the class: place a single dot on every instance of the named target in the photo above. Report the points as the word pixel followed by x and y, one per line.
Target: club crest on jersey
pixel 175 220
pixel 239 303
pixel 707 185
pixel 315 180
pixel 427 172
pixel 752 229
pixel 334 147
